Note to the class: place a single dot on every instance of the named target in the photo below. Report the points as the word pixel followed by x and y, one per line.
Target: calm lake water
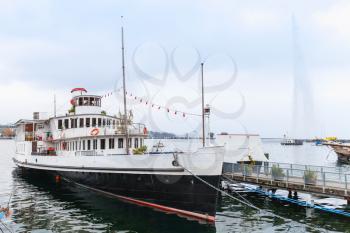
pixel 41 205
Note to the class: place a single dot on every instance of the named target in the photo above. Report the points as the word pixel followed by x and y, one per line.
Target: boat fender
pixel 175 163
pixel 94 132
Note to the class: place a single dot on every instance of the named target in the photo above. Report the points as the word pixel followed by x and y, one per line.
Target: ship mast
pixel 203 125
pixel 124 94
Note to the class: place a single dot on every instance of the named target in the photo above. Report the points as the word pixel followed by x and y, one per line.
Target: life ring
pixel 94 132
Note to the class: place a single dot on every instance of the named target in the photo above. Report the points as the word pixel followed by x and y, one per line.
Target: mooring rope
pixel 5 227
pixel 232 197
pixel 245 202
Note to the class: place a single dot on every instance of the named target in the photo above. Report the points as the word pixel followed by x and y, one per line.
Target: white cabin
pixel 85 130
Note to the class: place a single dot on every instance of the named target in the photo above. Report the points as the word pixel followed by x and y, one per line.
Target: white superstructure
pixel 87 137
pixel 85 130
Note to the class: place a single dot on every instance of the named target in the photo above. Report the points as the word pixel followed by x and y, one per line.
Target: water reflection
pixel 40 203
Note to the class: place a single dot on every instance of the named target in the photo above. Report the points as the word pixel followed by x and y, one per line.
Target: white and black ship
pixel 107 153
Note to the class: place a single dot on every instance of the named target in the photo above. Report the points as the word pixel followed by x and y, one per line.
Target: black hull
pixel 182 192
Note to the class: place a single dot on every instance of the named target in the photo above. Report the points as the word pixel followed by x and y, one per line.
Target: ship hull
pixel 182 192
pixel 183 182
pixel 342 151
pixel 177 191
pixel 294 143
pixel 343 158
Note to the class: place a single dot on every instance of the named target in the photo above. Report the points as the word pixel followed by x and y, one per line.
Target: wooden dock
pixel 318 181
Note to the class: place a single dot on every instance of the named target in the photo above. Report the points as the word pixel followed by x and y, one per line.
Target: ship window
pixel 87 122
pixel 93 124
pixel 80 103
pixel 99 122
pixel 79 145
pixel 104 122
pixel 129 142
pixel 76 145
pixel 103 144
pixel 83 144
pixel 86 101
pixel 120 142
pixel 81 122
pixel 60 125
pixel 141 142
pixel 92 101
pixel 66 123
pixel 113 122
pixel 136 142
pixel 94 145
pixel 73 123
pixel 88 144
pixel 111 143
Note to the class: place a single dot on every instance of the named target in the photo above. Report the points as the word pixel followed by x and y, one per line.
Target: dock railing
pixel 321 178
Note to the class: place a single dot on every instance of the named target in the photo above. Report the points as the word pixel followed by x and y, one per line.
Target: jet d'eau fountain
pixel 303 116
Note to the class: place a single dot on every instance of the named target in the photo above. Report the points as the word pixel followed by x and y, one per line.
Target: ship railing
pixel 305 176
pixel 135 128
pixel 87 153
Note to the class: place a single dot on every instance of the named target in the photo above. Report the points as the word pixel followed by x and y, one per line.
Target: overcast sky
pixel 263 73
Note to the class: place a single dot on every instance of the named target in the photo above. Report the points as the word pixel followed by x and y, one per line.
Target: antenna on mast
pixel 124 91
pixel 203 125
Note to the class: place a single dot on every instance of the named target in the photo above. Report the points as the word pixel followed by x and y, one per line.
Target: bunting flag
pixel 152 105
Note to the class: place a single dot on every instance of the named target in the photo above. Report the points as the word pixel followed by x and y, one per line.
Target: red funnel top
pixel 78 89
